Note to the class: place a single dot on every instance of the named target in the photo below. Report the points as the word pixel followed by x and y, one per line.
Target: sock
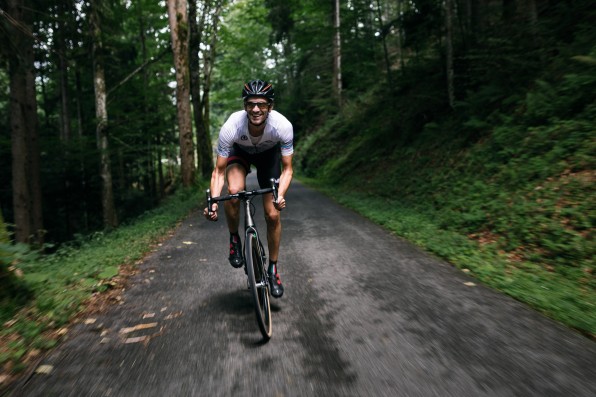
pixel 234 237
pixel 272 267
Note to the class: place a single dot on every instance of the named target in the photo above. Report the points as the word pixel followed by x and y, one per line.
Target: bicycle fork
pixel 250 230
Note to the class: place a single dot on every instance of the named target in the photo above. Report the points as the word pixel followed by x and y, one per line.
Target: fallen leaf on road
pixel 187 242
pixel 148 315
pixel 470 284
pixel 137 327
pixel 44 369
pixel 173 315
pixel 136 339
pixel 90 321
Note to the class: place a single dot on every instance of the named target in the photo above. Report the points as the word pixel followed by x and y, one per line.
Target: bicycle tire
pixel 259 285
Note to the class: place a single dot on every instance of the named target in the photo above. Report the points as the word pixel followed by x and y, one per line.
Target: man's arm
pixel 284 180
pixel 218 178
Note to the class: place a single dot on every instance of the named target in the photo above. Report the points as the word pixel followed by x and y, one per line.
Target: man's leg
pixel 236 179
pixel 273 219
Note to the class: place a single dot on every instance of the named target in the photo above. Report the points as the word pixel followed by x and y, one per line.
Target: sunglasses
pixel 261 105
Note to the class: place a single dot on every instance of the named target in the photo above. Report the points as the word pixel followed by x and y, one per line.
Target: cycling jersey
pixel 235 130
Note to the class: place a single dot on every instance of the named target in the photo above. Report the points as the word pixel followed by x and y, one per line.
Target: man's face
pixel 257 110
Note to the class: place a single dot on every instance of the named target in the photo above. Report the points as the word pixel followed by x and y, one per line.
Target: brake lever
pixel 208 194
pixel 274 188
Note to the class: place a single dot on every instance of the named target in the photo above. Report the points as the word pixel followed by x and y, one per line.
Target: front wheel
pixel 259 285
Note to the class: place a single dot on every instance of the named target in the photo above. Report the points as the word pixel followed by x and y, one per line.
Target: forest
pixel 467 127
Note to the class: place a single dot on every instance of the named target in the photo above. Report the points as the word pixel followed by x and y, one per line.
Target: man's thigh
pixel 268 166
pixel 236 178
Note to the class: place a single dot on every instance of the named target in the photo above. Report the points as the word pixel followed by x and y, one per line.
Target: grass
pixel 50 290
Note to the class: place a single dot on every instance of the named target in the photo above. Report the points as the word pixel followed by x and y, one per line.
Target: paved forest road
pixel 364 314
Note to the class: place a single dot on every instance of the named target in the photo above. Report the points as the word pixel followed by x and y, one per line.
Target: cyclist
pixel 263 137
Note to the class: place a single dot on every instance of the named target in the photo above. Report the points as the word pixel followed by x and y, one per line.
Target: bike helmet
pixel 258 88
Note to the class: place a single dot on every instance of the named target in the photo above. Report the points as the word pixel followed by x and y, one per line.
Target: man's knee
pixel 272 217
pixel 236 178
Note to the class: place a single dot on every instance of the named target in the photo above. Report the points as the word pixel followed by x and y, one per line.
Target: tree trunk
pixel 449 52
pixel 337 82
pixel 205 160
pixel 150 177
pixel 110 219
pixel 178 18
pixel 26 182
pixel 477 19
pixel 3 232
pixel 532 16
pixel 384 39
pixel 83 177
pixel 509 11
pixel 209 56
pixel 65 128
pixel 65 121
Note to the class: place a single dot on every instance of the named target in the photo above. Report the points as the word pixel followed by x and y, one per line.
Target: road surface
pixel 364 314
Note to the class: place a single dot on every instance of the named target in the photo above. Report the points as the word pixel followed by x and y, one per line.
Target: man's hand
pixel 280 204
pixel 213 216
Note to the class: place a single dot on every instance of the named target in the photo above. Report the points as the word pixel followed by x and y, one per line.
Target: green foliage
pixel 243 53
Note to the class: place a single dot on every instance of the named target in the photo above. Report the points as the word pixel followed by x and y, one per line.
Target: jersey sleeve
pixel 287 148
pixel 225 141
pixel 287 140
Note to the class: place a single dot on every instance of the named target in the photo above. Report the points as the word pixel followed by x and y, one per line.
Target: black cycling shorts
pixel 267 163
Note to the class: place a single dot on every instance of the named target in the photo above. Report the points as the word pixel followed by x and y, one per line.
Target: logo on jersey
pixel 244 138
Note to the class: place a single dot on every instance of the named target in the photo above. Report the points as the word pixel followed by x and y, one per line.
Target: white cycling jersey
pixel 235 130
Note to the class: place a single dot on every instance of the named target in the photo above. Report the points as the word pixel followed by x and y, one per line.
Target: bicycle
pixel 253 255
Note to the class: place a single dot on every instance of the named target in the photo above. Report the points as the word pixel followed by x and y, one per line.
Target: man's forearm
pixel 284 181
pixel 216 184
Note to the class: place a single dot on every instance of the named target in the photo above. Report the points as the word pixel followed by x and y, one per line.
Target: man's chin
pixel 258 122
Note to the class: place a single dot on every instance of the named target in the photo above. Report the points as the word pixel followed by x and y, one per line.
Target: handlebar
pixel 240 195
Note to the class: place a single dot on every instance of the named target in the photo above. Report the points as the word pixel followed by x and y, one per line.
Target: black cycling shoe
pixel 235 257
pixel 277 289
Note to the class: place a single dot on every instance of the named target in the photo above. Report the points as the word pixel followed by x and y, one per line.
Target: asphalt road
pixel 364 314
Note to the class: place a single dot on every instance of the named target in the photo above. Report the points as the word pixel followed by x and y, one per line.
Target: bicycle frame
pixel 256 271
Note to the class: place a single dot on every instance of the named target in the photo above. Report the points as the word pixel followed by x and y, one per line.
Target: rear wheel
pixel 259 286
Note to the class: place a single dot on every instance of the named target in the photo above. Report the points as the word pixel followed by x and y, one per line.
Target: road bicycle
pixel 253 255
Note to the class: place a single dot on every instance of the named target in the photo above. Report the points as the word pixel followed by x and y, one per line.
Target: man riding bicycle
pixel 263 137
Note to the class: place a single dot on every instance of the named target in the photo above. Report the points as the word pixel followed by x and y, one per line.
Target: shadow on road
pixel 237 310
